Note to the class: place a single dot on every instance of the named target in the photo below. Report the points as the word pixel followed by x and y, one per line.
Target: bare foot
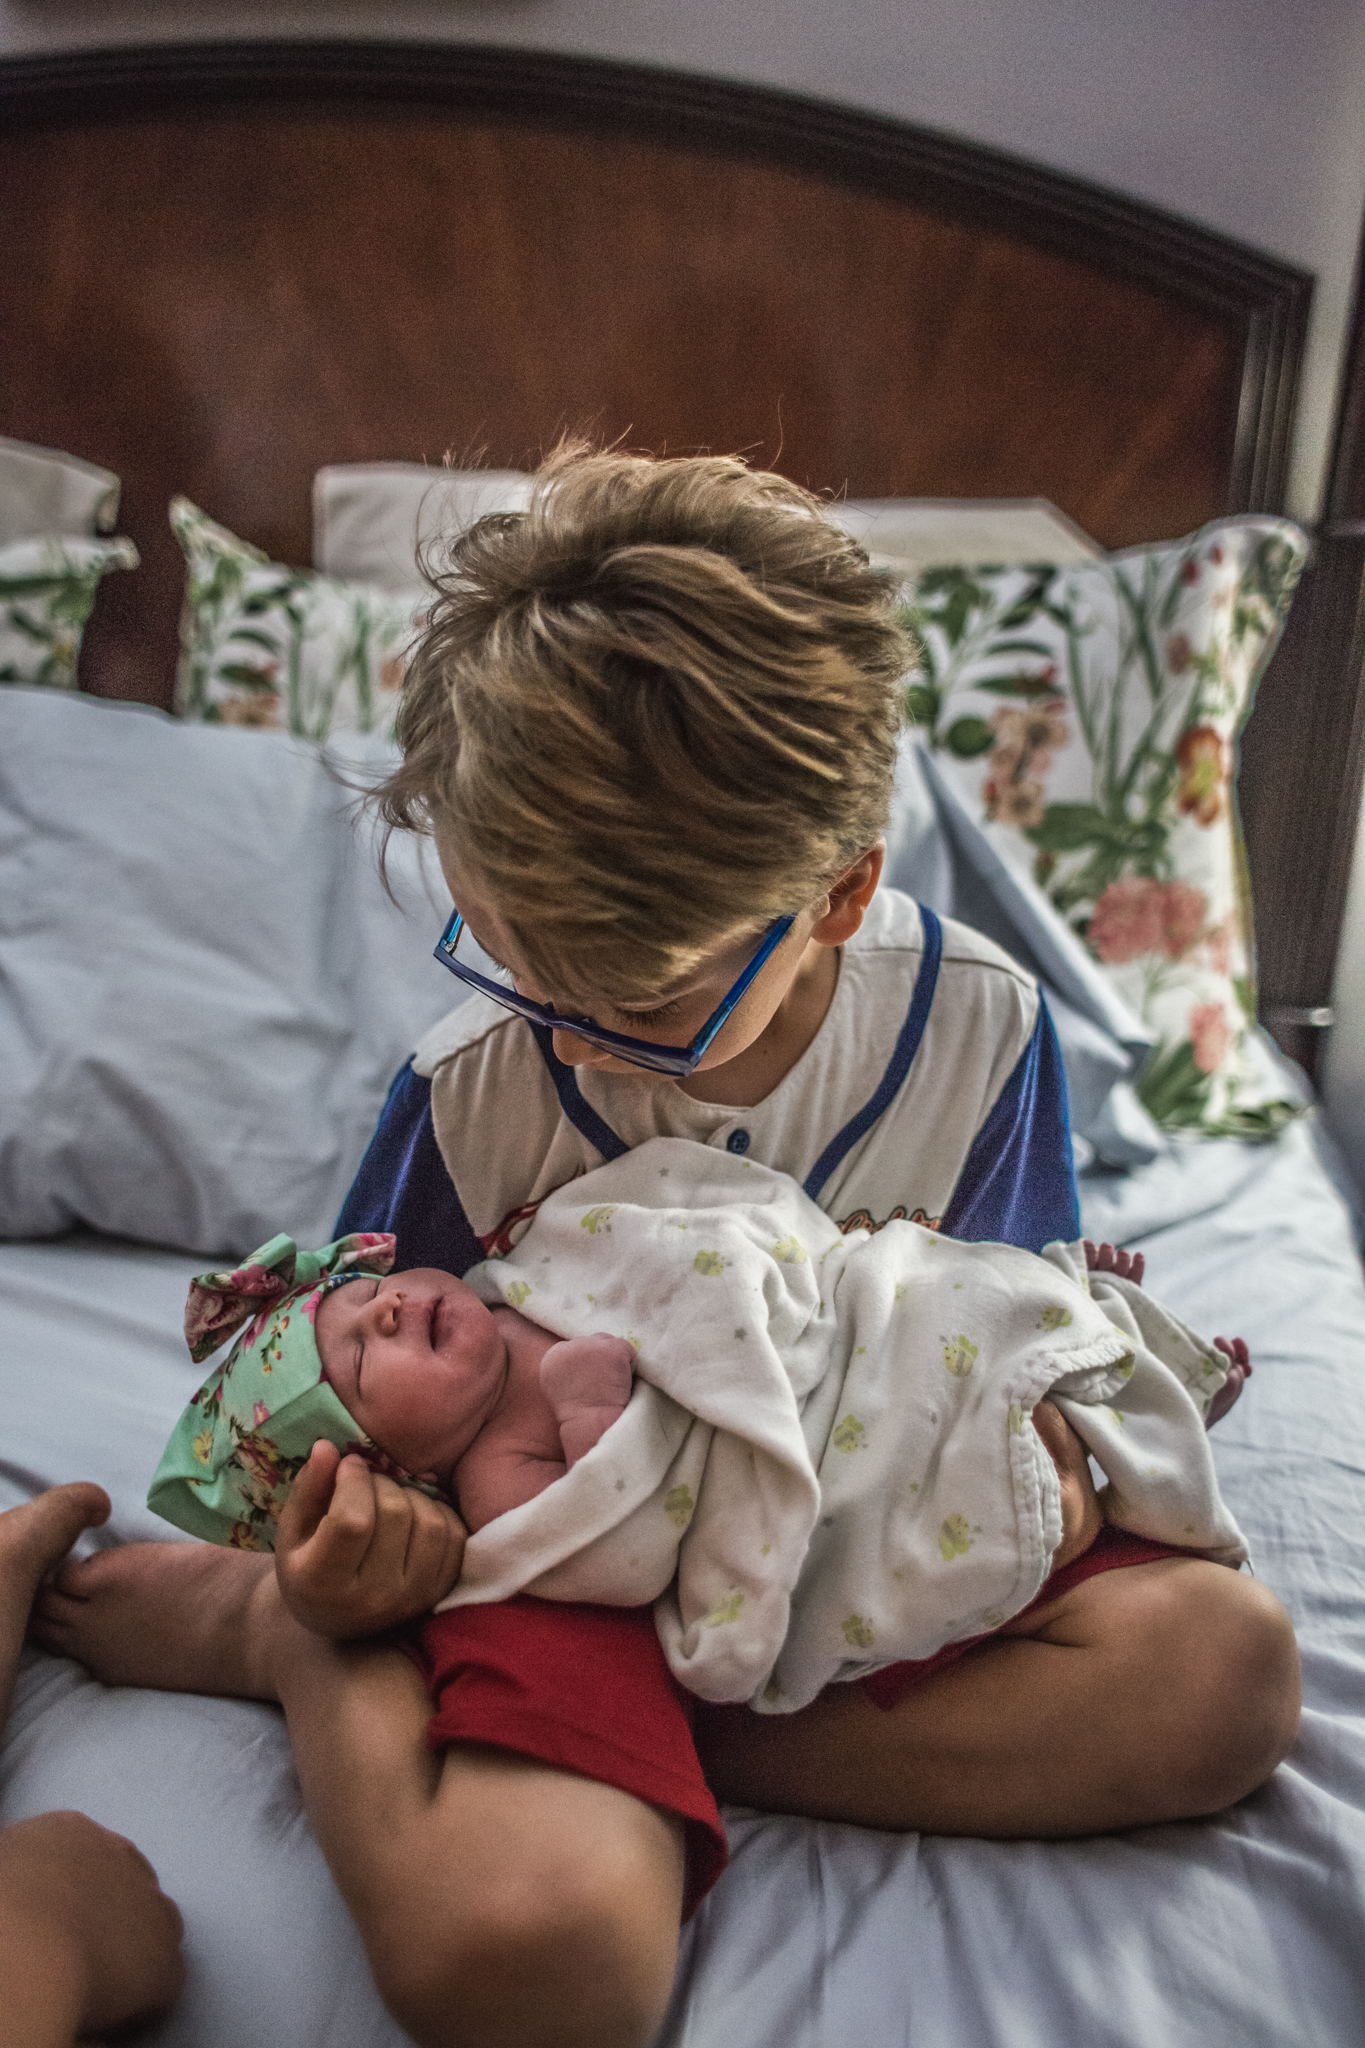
pixel 1110 1258
pixel 36 1536
pixel 179 1617
pixel 33 1538
pixel 1234 1349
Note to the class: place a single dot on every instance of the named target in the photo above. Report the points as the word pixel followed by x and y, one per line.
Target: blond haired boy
pixel 651 729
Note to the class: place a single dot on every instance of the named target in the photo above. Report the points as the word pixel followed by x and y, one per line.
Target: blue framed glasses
pixel 678 1060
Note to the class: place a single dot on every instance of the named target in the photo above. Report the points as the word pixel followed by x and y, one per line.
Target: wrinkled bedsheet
pixel 1248 1928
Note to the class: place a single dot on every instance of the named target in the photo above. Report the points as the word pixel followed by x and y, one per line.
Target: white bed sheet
pixel 1249 1928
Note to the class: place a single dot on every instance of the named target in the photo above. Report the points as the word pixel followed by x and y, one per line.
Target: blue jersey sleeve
pixel 403 1186
pixel 1018 1185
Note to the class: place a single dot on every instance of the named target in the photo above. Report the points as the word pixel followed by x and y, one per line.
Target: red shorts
pixel 583 1689
pixel 587 1689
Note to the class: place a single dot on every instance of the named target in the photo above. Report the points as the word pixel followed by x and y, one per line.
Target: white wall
pixel 1248 115
pixel 1343 1080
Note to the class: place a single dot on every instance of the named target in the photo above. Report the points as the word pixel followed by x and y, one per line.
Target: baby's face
pixel 416 1358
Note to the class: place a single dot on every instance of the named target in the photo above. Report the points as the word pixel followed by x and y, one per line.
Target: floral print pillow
pixel 47 590
pixel 1089 713
pixel 263 645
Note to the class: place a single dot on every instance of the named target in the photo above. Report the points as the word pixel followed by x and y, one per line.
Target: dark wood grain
pixel 219 302
pixel 1303 758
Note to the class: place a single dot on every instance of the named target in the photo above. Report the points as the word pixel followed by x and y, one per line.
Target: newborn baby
pixel 480 1402
pixel 412 1371
pixel 826 1459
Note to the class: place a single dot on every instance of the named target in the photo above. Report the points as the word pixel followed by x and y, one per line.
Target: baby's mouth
pixel 438 1330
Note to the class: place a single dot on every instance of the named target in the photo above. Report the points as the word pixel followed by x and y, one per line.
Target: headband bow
pixel 220 1303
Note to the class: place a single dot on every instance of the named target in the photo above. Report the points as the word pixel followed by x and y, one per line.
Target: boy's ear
pixel 849 897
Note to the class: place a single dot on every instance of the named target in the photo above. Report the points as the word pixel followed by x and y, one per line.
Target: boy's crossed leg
pixel 502 1904
pixel 502 1901
pixel 1160 1692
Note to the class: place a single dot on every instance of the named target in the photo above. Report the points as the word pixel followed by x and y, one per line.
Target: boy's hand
pixel 356 1553
pixel 1082 1514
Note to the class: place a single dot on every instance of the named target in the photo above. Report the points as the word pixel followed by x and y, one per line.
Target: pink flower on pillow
pixel 1138 915
pixel 1182 917
pixel 1127 921
pixel 1210 1036
pixel 1013 803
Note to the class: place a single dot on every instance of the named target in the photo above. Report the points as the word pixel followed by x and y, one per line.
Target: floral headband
pixel 236 1451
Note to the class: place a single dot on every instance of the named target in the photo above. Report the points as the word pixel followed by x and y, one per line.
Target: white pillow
pixel 206 991
pixel 43 491
pixel 910 534
pixel 371 518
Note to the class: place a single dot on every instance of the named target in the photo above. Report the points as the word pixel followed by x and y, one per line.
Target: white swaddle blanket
pixel 827 1463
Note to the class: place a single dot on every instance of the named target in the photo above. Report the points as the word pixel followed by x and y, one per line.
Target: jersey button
pixel 738 1141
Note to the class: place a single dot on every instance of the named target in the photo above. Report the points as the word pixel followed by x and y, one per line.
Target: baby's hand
pixel 1110 1258
pixel 356 1553
pixel 587 1382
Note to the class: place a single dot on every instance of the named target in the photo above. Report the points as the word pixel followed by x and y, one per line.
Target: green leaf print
pixel 1066 828
pixel 856 1632
pixel 968 737
pixel 921 704
pixel 1171 1087
pixel 954 1538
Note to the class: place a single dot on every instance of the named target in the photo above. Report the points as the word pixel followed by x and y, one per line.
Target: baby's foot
pixel 1234 1349
pixel 1110 1258
pixel 179 1617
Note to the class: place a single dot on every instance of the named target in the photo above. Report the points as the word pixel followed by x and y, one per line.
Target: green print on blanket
pixel 959 1356
pixel 954 1538
pixel 1089 714
pixel 679 1506
pixel 724 1611
pixel 850 1435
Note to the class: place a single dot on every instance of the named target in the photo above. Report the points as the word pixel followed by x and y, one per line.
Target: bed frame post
pixel 1305 748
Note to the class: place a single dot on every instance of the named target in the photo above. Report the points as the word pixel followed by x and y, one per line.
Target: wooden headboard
pixel 225 265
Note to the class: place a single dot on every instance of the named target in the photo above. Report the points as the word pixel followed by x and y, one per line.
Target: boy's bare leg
pixel 1154 1693
pixel 500 1902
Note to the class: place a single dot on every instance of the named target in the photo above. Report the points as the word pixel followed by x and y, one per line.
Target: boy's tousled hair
pixel 657 708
